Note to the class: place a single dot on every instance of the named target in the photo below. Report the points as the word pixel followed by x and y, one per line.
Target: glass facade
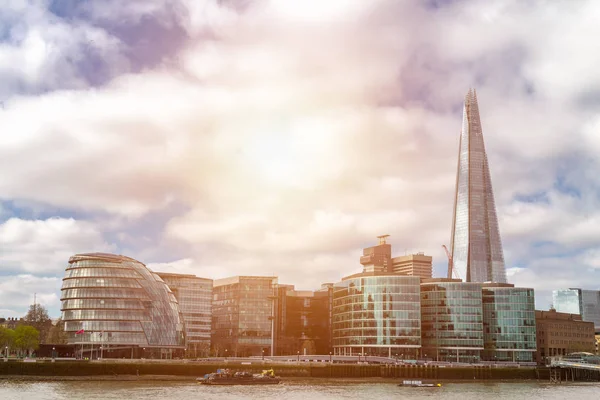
pixel 242 317
pixel 452 320
pixel 303 321
pixel 509 323
pixel 578 301
pixel 194 296
pixel 377 314
pixel 475 244
pixel 114 300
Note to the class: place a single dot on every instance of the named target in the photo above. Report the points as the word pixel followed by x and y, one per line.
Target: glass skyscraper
pixel 476 248
pixel 377 314
pixel 578 301
pixel 115 301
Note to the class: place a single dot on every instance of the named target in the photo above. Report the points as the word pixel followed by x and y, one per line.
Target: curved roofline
pixel 102 256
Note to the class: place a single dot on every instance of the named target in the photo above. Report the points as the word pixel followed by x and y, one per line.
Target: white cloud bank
pixel 294 136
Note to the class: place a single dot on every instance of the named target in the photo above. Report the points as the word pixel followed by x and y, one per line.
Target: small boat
pixel 419 384
pixel 226 377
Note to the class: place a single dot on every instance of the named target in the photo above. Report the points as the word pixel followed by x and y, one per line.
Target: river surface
pixel 296 389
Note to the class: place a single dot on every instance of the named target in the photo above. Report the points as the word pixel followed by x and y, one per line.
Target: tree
pixel 27 339
pixel 37 316
pixel 56 334
pixel 7 337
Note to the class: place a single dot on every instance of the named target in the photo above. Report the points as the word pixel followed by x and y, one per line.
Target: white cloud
pixel 293 136
pixel 43 247
pixel 17 294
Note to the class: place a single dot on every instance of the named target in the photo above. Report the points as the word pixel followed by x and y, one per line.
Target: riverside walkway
pixel 569 370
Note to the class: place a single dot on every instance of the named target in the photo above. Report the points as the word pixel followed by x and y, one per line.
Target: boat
pixel 226 377
pixel 419 384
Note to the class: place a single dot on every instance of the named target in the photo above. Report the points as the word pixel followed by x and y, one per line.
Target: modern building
pixel 378 311
pixel 579 301
pixel 560 333
pixel 243 316
pixel 451 320
pixel 413 265
pixel 303 321
pixel 377 314
pixel 112 303
pixel 194 295
pixel 377 258
pixel 476 248
pixel 509 325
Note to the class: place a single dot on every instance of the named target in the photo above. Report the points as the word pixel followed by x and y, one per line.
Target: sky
pixel 261 137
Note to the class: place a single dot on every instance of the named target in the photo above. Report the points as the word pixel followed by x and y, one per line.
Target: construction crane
pixel 450 266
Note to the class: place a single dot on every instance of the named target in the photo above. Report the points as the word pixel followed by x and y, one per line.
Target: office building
pixel 377 314
pixel 451 320
pixel 476 248
pixel 413 265
pixel 508 323
pixel 243 316
pixel 378 311
pixel 560 333
pixel 194 295
pixel 377 258
pixel 579 301
pixel 303 321
pixel 111 302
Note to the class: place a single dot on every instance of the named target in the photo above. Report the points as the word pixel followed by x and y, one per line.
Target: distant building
pixel 110 303
pixel 509 324
pixel 377 258
pixel 243 315
pixel 304 321
pixel 451 320
pixel 10 323
pixel 579 301
pixel 560 333
pixel 413 265
pixel 476 248
pixel 194 295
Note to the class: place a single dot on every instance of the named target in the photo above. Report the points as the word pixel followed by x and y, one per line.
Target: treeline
pixel 35 328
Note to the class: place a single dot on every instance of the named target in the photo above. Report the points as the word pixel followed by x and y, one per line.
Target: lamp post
pixel 329 357
pixel 53 353
pixel 101 352
pixel 5 353
pixel 225 354
pixel 263 354
pixel 298 355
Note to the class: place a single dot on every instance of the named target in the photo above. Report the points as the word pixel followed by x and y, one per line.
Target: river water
pixel 293 389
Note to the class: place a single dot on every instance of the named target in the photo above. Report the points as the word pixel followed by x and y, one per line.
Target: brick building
pixel 561 333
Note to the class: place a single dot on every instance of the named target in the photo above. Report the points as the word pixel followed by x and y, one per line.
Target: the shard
pixel 476 248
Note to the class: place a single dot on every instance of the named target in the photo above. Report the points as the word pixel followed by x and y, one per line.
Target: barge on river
pixel 419 384
pixel 226 377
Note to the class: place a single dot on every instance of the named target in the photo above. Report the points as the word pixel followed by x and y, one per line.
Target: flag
pixel 79 332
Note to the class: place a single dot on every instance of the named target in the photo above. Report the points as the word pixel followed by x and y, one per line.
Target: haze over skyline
pixel 263 137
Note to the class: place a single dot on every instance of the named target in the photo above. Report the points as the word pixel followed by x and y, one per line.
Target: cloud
pixel 43 247
pixel 279 138
pixel 17 294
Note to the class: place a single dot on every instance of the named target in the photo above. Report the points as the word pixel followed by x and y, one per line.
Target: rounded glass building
pixel 111 303
pixel 377 314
